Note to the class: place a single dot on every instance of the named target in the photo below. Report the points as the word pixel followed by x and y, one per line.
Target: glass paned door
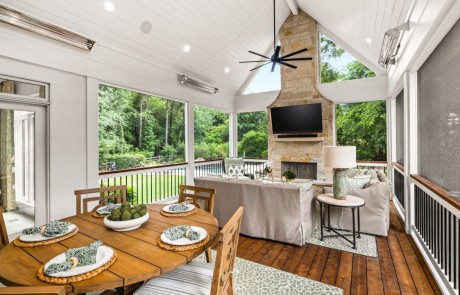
pixel 22 166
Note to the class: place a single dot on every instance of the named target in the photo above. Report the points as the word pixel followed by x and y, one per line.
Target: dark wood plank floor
pixel 398 269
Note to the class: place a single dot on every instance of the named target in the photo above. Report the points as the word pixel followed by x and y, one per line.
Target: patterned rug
pixel 257 279
pixel 365 246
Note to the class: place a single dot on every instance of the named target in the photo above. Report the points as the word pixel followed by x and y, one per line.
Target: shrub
pixel 289 174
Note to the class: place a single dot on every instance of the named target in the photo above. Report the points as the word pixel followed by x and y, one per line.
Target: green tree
pixel 360 124
pixel 254 144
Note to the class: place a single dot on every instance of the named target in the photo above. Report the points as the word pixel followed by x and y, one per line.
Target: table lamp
pixel 340 158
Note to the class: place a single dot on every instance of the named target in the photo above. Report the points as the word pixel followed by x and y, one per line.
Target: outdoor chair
pixel 197 195
pixel 202 278
pixel 105 193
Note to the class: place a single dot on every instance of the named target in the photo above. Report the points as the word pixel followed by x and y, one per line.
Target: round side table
pixel 351 202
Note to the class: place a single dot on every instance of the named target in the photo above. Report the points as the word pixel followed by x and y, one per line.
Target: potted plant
pixel 290 175
pixel 269 171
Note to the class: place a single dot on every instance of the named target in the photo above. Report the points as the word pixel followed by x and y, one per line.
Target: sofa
pixel 375 214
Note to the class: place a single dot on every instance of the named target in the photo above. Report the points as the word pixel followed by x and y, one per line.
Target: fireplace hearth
pixel 302 170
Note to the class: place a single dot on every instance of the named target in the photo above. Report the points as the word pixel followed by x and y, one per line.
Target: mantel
pixel 300 139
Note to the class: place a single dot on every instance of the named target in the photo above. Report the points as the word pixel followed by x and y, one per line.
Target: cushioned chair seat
pixel 194 278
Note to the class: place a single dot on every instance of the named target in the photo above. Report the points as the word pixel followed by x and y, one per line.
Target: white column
pixel 410 144
pixel 391 136
pixel 190 141
pixel 92 132
pixel 233 135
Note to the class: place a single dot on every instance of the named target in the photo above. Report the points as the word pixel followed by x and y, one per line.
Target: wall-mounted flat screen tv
pixel 299 119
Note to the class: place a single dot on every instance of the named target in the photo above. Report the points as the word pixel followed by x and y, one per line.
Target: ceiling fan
pixel 276 58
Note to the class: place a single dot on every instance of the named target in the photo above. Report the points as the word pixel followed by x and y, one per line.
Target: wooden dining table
pixel 139 256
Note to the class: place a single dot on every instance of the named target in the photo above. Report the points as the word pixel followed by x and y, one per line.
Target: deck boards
pixel 398 269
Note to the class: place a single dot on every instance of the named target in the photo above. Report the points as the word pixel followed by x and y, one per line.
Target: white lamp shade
pixel 339 156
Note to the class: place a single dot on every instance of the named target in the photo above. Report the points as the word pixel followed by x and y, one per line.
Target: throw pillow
pixel 359 180
pixel 235 170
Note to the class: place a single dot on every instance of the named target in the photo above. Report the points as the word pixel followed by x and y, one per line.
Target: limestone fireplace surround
pixel 298 87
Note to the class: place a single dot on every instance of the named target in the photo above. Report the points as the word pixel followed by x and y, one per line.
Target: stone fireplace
pixel 298 87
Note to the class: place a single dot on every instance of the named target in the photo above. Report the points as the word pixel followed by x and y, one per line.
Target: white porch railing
pixel 147 184
pixel 372 165
pixel 436 231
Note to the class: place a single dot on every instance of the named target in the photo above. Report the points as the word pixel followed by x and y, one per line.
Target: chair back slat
pixel 83 197
pixel 3 233
pixel 222 282
pixel 195 194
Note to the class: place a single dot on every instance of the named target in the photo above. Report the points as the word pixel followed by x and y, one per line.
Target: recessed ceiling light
pixel 146 27
pixel 108 6
pixel 369 40
pixel 187 48
pixel 227 70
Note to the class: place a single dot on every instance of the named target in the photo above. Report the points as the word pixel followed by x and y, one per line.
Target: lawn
pixel 149 187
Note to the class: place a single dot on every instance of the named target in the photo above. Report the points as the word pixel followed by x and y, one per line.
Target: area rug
pixel 366 245
pixel 257 279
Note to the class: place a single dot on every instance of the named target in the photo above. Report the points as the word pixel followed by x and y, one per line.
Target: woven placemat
pixel 23 244
pixel 97 215
pixel 169 247
pixel 66 280
pixel 182 214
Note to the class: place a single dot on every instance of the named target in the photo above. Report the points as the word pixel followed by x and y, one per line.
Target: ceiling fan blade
pixel 297 58
pixel 260 66
pixel 276 54
pixel 286 64
pixel 258 54
pixel 244 62
pixel 295 52
pixel 273 66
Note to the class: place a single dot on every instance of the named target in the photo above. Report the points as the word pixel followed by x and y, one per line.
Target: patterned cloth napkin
pixel 107 209
pixel 52 229
pixel 75 257
pixel 181 231
pixel 181 207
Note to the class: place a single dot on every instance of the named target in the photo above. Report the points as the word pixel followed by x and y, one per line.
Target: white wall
pixel 67 131
pixel 358 90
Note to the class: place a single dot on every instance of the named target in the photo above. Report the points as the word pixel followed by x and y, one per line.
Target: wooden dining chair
pixel 3 233
pixel 203 278
pixel 195 194
pixel 83 197
pixel 35 290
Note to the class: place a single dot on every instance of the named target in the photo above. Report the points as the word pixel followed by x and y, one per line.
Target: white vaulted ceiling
pixel 220 32
pixel 351 22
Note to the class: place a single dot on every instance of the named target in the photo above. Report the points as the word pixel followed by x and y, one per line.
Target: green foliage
pixel 289 174
pixel 168 151
pixel 211 133
pixel 359 124
pixel 363 125
pixel 126 161
pixel 254 144
pixel 252 135
pixel 136 123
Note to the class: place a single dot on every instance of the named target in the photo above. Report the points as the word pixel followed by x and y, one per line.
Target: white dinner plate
pixel 37 237
pixel 103 255
pixel 184 241
pixel 102 210
pixel 190 207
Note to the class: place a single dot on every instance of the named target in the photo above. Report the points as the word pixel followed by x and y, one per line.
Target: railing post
pixel 190 142
pixel 410 142
pixel 233 135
